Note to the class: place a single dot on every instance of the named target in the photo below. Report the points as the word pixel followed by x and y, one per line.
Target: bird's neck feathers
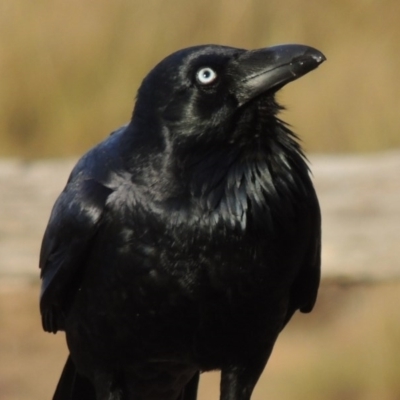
pixel 257 171
pixel 263 180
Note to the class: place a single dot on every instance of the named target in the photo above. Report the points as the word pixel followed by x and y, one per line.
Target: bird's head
pixel 206 92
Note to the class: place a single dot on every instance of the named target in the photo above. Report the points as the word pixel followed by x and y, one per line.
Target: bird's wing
pixel 304 290
pixel 74 221
pixel 307 284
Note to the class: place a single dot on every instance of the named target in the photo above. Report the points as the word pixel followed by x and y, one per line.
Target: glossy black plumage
pixel 187 239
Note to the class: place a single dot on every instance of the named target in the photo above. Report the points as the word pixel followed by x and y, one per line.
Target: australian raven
pixel 186 240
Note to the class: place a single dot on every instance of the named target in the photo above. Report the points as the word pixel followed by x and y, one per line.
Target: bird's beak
pixel 259 71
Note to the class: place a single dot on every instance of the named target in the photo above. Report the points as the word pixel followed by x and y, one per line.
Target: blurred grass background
pixel 70 69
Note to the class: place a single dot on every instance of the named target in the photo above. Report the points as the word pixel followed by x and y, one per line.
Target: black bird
pixel 186 240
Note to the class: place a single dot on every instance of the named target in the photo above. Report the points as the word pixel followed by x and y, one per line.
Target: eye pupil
pixel 206 75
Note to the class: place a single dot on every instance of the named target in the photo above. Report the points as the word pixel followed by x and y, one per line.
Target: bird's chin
pixel 253 119
pixel 263 105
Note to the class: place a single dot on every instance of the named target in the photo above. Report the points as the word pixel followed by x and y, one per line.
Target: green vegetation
pixel 70 69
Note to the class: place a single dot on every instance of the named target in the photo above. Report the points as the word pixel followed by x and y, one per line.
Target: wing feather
pixel 73 223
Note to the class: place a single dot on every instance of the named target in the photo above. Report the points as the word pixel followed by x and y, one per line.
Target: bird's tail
pixel 73 386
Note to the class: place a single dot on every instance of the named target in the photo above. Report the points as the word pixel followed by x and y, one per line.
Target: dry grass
pixel 347 349
pixel 70 69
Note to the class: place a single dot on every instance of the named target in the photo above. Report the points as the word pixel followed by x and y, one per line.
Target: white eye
pixel 206 76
